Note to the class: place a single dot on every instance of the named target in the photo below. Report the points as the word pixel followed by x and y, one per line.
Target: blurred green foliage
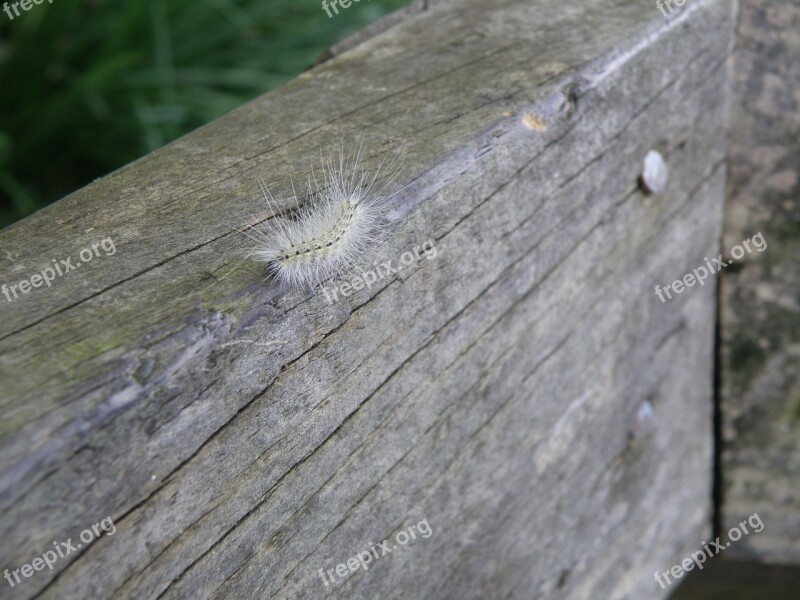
pixel 90 85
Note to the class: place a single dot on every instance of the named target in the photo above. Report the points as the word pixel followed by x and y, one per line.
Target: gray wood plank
pixel 243 437
pixel 760 392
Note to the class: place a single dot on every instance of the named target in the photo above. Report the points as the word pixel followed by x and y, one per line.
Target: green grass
pixel 89 86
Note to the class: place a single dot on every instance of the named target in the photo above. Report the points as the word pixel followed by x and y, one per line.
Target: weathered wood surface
pixel 242 438
pixel 760 393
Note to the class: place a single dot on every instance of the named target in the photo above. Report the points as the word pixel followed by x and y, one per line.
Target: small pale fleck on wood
pixel 643 422
pixel 534 122
pixel 655 173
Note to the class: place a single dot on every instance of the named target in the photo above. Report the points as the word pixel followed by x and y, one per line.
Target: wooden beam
pixel 243 437
pixel 760 384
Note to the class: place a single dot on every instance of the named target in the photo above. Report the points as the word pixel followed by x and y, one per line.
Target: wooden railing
pixel 525 392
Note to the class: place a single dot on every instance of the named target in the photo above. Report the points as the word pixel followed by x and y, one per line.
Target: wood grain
pixel 243 437
pixel 760 303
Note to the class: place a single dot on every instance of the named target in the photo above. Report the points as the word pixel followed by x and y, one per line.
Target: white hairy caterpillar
pixel 341 221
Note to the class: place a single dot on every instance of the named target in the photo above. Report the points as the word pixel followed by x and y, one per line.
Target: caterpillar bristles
pixel 341 222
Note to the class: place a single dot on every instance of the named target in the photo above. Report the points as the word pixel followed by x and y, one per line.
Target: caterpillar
pixel 341 221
